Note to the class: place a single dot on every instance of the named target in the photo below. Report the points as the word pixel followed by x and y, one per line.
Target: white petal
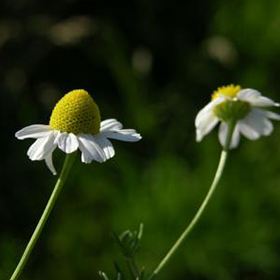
pixel 260 122
pixel 255 125
pixel 207 109
pixel 106 145
pixel 206 125
pixel 263 102
pixel 248 94
pixel 255 98
pixel 235 138
pixel 110 124
pixel 269 114
pixel 68 143
pixel 42 147
pixel 248 131
pixel 223 129
pixel 90 149
pixel 33 131
pixel 128 135
pixel 49 163
pixel 223 132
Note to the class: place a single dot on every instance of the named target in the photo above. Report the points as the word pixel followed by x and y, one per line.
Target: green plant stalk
pixel 133 267
pixel 218 175
pixel 69 159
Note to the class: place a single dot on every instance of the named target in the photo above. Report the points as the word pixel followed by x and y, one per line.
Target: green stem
pixel 69 159
pixel 133 268
pixel 198 214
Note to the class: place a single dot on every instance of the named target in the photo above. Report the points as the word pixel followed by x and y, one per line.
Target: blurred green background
pixel 152 65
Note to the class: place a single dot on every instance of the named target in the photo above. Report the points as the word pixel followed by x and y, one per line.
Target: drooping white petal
pixel 248 94
pixel 248 131
pixel 267 126
pixel 255 98
pixel 42 146
pixel 207 123
pixel 207 109
pixel 49 163
pixel 68 143
pixel 106 145
pixel 110 124
pixel 257 124
pixel 90 149
pixel 33 131
pixel 223 132
pixel 128 135
pixel 223 129
pixel 33 149
pixel 235 138
pixel 263 101
pixel 268 114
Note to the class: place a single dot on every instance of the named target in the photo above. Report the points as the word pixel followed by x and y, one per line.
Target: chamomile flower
pixel 243 107
pixel 75 123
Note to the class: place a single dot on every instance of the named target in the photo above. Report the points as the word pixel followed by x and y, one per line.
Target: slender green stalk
pixel 69 159
pixel 202 207
pixel 134 270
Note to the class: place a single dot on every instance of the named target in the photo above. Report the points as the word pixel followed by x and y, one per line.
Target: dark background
pixel 152 65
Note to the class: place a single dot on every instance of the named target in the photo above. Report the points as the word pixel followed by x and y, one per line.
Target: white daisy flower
pixel 244 107
pixel 75 123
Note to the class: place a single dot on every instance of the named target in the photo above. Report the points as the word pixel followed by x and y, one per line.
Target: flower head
pixel 242 107
pixel 75 123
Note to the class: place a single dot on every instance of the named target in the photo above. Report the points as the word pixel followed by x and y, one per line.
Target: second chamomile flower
pixel 75 123
pixel 243 108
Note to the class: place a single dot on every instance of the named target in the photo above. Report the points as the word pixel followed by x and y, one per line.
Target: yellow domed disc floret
pixel 76 112
pixel 229 91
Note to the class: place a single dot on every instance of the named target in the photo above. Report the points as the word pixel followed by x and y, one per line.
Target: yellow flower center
pixel 229 91
pixel 76 112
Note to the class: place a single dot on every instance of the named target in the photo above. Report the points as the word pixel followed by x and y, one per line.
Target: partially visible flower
pixel 242 107
pixel 75 123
